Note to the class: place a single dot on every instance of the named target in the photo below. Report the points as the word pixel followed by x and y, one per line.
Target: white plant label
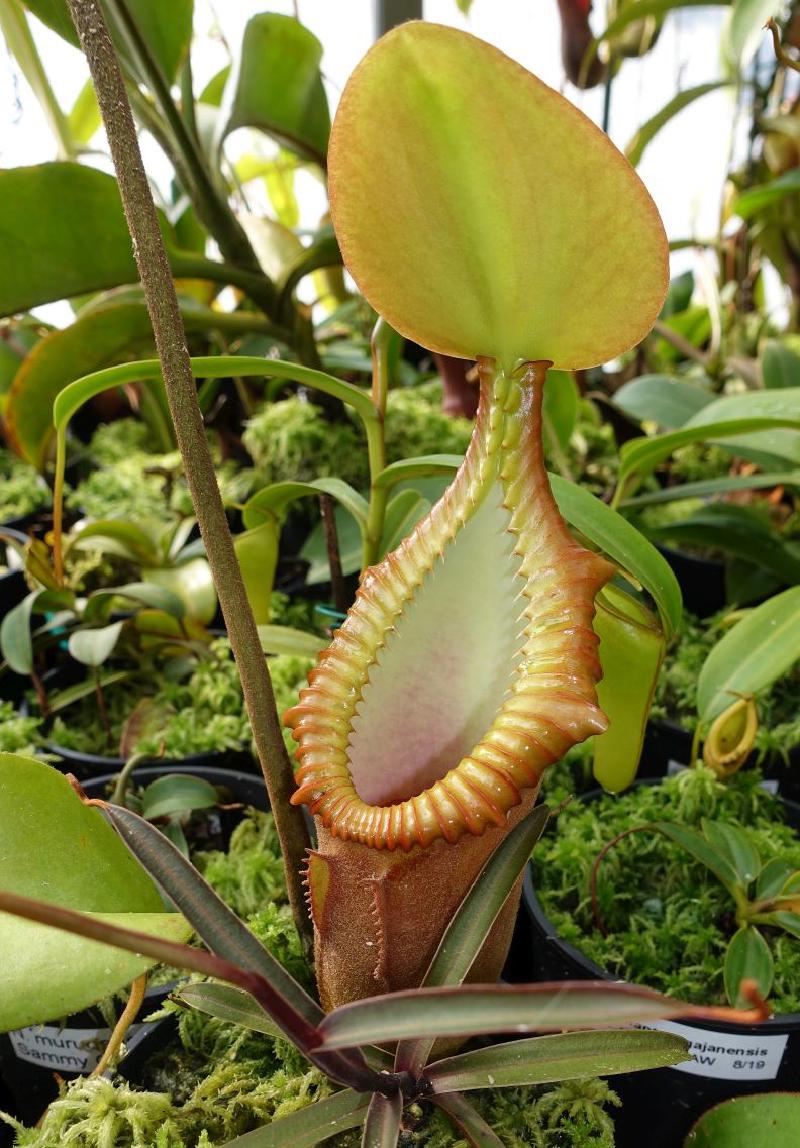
pixel 725 1055
pixel 61 1049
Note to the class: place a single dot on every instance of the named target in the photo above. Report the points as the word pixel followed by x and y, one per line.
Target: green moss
pixel 114 442
pixel 416 424
pixel 668 919
pixel 22 489
pixel 293 440
pixel 18 734
pixel 289 673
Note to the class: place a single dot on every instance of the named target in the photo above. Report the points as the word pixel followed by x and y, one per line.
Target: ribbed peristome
pixel 550 701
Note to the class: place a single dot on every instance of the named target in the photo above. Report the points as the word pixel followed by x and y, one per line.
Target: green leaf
pixel 165 28
pixel 177 793
pixel 473 1010
pixel 748 957
pixel 780 365
pixel 16 645
pixel 736 530
pixel 229 1004
pixel 62 233
pixel 734 844
pixel 468 1120
pixel 274 499
pixel 422 466
pixel 788 921
pixel 84 116
pixel 72 694
pixel 713 486
pixel 97 339
pixel 745 32
pixel 632 647
pixel 416 230
pixel 257 554
pixel 311 1125
pixel 92 647
pixel 545 1059
pixel 100 602
pixel 382 1126
pixel 403 512
pixel 702 850
pixel 772 878
pixel 54 846
pixel 277 88
pixel 749 657
pixel 623 544
pixel 662 399
pixel 466 932
pixel 286 640
pixel 648 131
pixel 128 539
pixel 744 1121
pixel 764 195
pixel 780 404
pixel 560 406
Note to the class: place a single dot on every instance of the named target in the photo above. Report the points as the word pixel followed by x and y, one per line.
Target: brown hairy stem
pixel 162 305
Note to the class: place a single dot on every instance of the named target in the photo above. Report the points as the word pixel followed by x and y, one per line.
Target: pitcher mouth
pixel 468 662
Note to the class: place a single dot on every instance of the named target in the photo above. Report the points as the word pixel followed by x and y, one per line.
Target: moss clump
pixel 114 442
pixel 668 918
pixel 22 489
pixel 293 440
pixel 19 734
pixel 249 875
pixel 676 692
pixel 416 423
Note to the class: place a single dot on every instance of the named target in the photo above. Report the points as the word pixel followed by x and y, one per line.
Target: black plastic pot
pixel 659 1107
pixel 30 1058
pixel 702 581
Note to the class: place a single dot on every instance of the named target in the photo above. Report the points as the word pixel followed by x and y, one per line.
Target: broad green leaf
pixel 780 365
pixel 227 1003
pixel 62 233
pixel 177 793
pixel 547 276
pixel 52 846
pixel 781 404
pixel 382 1126
pixel 623 544
pixel 749 657
pixel 165 28
pixel 92 647
pixel 257 554
pixel 479 1009
pixel 16 644
pixel 772 878
pixel 559 407
pixel 128 539
pixel 277 88
pixel 764 195
pixel 736 846
pixel 649 130
pixel 632 647
pixel 476 914
pixel 273 500
pixel 545 1059
pixel 745 32
pixel 662 399
pixel 192 583
pixel 95 340
pixel 100 602
pixel 403 512
pixel 311 1125
pixel 748 957
pixel 788 921
pixel 736 530
pixel 286 640
pixel 744 1121
pixel 702 850
pixel 421 467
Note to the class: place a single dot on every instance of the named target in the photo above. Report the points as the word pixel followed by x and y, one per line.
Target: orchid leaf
pixel 432 222
pixel 662 399
pixel 100 603
pixel 286 640
pixel 54 846
pixel 475 1010
pixel 382 1127
pixel 274 499
pixel 737 848
pixel 311 1125
pixel 468 1120
pixel 565 1056
pixel 713 486
pixel 772 878
pixel 424 466
pixel 748 957
pixel 257 554
pixel 702 850
pixel 16 644
pixel 225 1002
pixel 93 646
pixel 649 130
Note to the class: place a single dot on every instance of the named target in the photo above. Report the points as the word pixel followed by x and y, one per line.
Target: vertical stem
pixel 162 304
pixel 382 336
pixel 334 557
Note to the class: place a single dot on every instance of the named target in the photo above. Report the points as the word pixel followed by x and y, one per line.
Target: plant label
pixel 728 1056
pixel 74 1050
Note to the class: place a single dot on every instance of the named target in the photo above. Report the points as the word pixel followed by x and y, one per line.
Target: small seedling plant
pixel 468 663
pixel 763 895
